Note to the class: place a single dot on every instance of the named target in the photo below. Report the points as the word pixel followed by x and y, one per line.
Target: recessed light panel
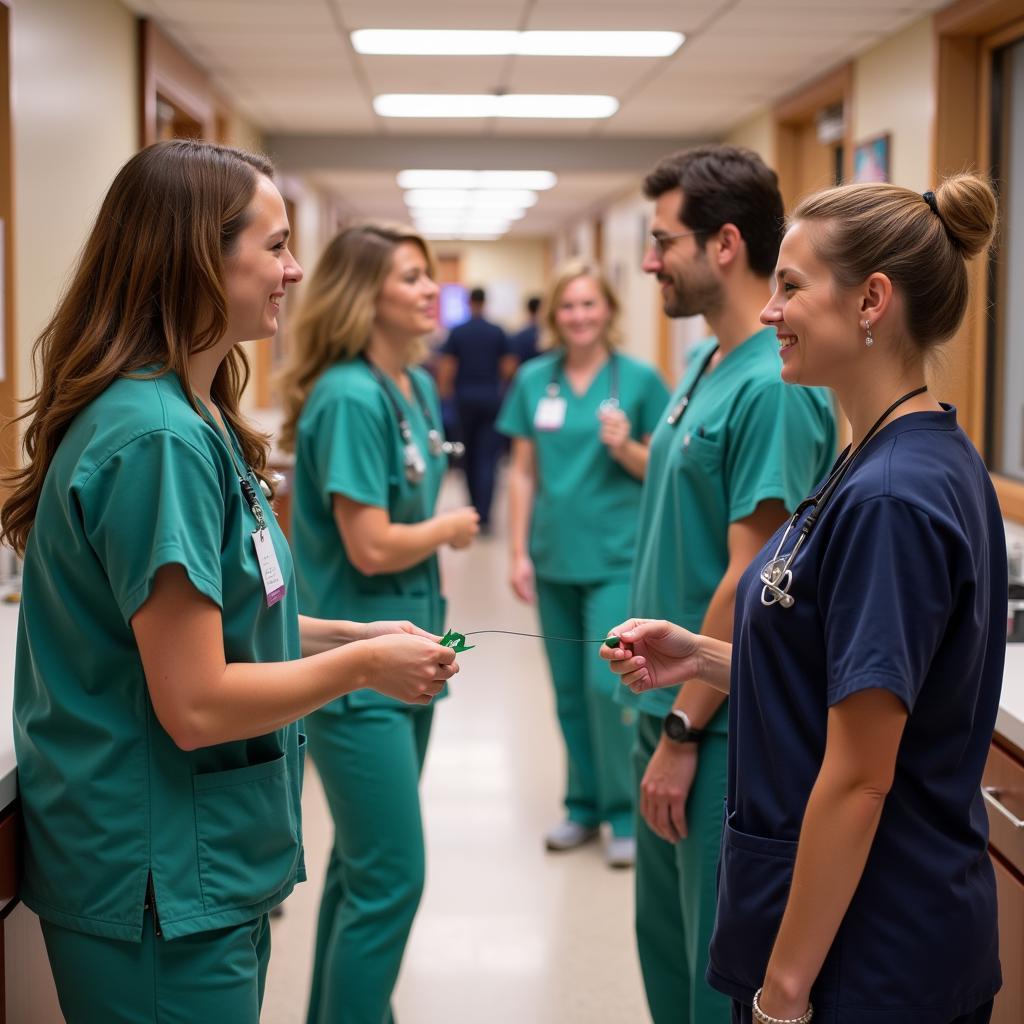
pixel 446 105
pixel 493 43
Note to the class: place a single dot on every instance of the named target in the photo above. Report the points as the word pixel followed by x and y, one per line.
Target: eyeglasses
pixel 659 243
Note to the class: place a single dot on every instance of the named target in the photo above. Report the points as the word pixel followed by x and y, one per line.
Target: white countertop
pixel 1010 720
pixel 8 642
pixel 1009 723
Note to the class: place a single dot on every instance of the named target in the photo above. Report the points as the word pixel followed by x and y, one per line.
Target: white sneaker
pixel 567 835
pixel 620 852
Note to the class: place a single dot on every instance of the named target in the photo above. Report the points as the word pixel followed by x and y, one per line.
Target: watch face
pixel 675 728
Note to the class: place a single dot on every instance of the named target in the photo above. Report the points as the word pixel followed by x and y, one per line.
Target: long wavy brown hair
pixel 148 291
pixel 338 308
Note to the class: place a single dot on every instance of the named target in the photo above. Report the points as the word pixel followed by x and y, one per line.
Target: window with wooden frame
pixel 980 124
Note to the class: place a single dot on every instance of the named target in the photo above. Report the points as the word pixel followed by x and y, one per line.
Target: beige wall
pixel 511 270
pixel 894 92
pixel 756 133
pixel 75 121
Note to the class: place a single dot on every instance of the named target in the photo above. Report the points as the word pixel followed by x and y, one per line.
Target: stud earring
pixel 869 339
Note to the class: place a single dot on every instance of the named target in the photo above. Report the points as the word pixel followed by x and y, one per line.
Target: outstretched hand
pixel 653 653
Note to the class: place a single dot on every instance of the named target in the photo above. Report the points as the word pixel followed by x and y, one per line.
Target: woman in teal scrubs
pixel 580 418
pixel 161 661
pixel 365 424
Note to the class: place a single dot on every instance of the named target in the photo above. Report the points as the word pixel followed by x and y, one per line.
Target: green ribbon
pixel 456 641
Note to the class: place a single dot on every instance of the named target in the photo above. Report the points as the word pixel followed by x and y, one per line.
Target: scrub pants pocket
pixel 215 976
pixel 755 873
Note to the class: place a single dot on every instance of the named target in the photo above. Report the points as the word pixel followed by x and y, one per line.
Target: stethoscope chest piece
pixel 415 467
pixel 777 578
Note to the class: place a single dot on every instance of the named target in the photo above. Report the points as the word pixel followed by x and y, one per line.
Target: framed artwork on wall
pixel 872 159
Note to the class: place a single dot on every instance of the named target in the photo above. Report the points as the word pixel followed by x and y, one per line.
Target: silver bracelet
pixel 762 1018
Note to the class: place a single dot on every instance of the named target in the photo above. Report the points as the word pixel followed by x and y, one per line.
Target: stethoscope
pixel 609 404
pixel 677 410
pixel 777 574
pixel 412 458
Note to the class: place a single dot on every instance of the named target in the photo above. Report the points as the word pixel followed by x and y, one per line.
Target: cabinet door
pixel 1009 1008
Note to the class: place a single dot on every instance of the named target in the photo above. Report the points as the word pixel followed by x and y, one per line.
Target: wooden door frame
pixel 967 34
pixel 799 108
pixel 164 70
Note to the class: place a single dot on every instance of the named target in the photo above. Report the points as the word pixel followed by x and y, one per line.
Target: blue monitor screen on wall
pixel 454 305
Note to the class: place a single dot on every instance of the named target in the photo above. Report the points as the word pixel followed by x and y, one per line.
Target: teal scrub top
pixel 141 480
pixel 348 443
pixel 745 437
pixel 585 512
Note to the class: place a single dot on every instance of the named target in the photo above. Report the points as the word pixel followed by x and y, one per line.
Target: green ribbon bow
pixel 456 641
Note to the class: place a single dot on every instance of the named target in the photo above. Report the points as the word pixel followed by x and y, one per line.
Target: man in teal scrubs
pixel 368 749
pixel 735 453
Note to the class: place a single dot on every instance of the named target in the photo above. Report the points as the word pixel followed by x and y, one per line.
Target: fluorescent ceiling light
pixel 493 43
pixel 445 105
pixel 534 180
pixel 507 212
pixel 433 197
pixel 463 224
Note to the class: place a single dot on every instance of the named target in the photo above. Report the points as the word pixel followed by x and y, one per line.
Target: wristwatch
pixel 678 729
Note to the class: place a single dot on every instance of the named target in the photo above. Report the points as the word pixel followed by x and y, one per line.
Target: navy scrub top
pixel 902 586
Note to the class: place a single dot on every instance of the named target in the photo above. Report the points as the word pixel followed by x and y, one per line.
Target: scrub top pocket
pixel 248 850
pixel 754 879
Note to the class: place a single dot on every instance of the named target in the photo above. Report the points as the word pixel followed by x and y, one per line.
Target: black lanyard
pixel 777 574
pixel 247 489
pixel 613 392
pixel 679 408
pixel 403 421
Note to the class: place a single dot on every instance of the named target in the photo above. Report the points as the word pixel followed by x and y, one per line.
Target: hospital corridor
pixel 511 512
pixel 507 931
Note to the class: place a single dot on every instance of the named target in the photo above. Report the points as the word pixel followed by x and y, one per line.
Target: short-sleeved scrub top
pixel 745 437
pixel 348 443
pixel 901 586
pixel 584 521
pixel 140 481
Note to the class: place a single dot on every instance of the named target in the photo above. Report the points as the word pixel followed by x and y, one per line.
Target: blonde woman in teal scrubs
pixel 580 417
pixel 161 662
pixel 365 424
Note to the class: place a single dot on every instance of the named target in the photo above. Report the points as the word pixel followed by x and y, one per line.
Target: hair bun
pixel 967 206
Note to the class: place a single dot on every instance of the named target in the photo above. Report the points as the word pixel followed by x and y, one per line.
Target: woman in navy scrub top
pixel 855 883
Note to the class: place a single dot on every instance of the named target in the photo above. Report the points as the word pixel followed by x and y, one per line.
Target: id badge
pixel 270 569
pixel 550 414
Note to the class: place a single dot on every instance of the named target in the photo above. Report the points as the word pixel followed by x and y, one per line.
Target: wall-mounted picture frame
pixel 872 159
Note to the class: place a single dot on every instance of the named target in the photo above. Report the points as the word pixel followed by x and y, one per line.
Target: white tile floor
pixel 506 934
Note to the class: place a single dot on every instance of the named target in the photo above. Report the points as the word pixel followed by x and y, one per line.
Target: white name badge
pixel 270 568
pixel 550 414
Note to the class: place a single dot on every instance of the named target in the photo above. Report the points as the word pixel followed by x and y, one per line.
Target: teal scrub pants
pixel 598 732
pixel 676 891
pixel 215 976
pixel 369 760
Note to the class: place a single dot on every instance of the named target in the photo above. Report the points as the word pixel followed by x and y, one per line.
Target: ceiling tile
pixel 430 74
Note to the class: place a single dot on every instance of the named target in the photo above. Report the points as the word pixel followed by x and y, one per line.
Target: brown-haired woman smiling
pixel 365 424
pixel 158 674
pixel 866 668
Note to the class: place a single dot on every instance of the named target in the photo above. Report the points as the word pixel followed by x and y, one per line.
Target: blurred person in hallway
pixel 162 663
pixel 580 417
pixel 364 423
pixel 867 664
pixel 474 365
pixel 735 451
pixel 524 343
